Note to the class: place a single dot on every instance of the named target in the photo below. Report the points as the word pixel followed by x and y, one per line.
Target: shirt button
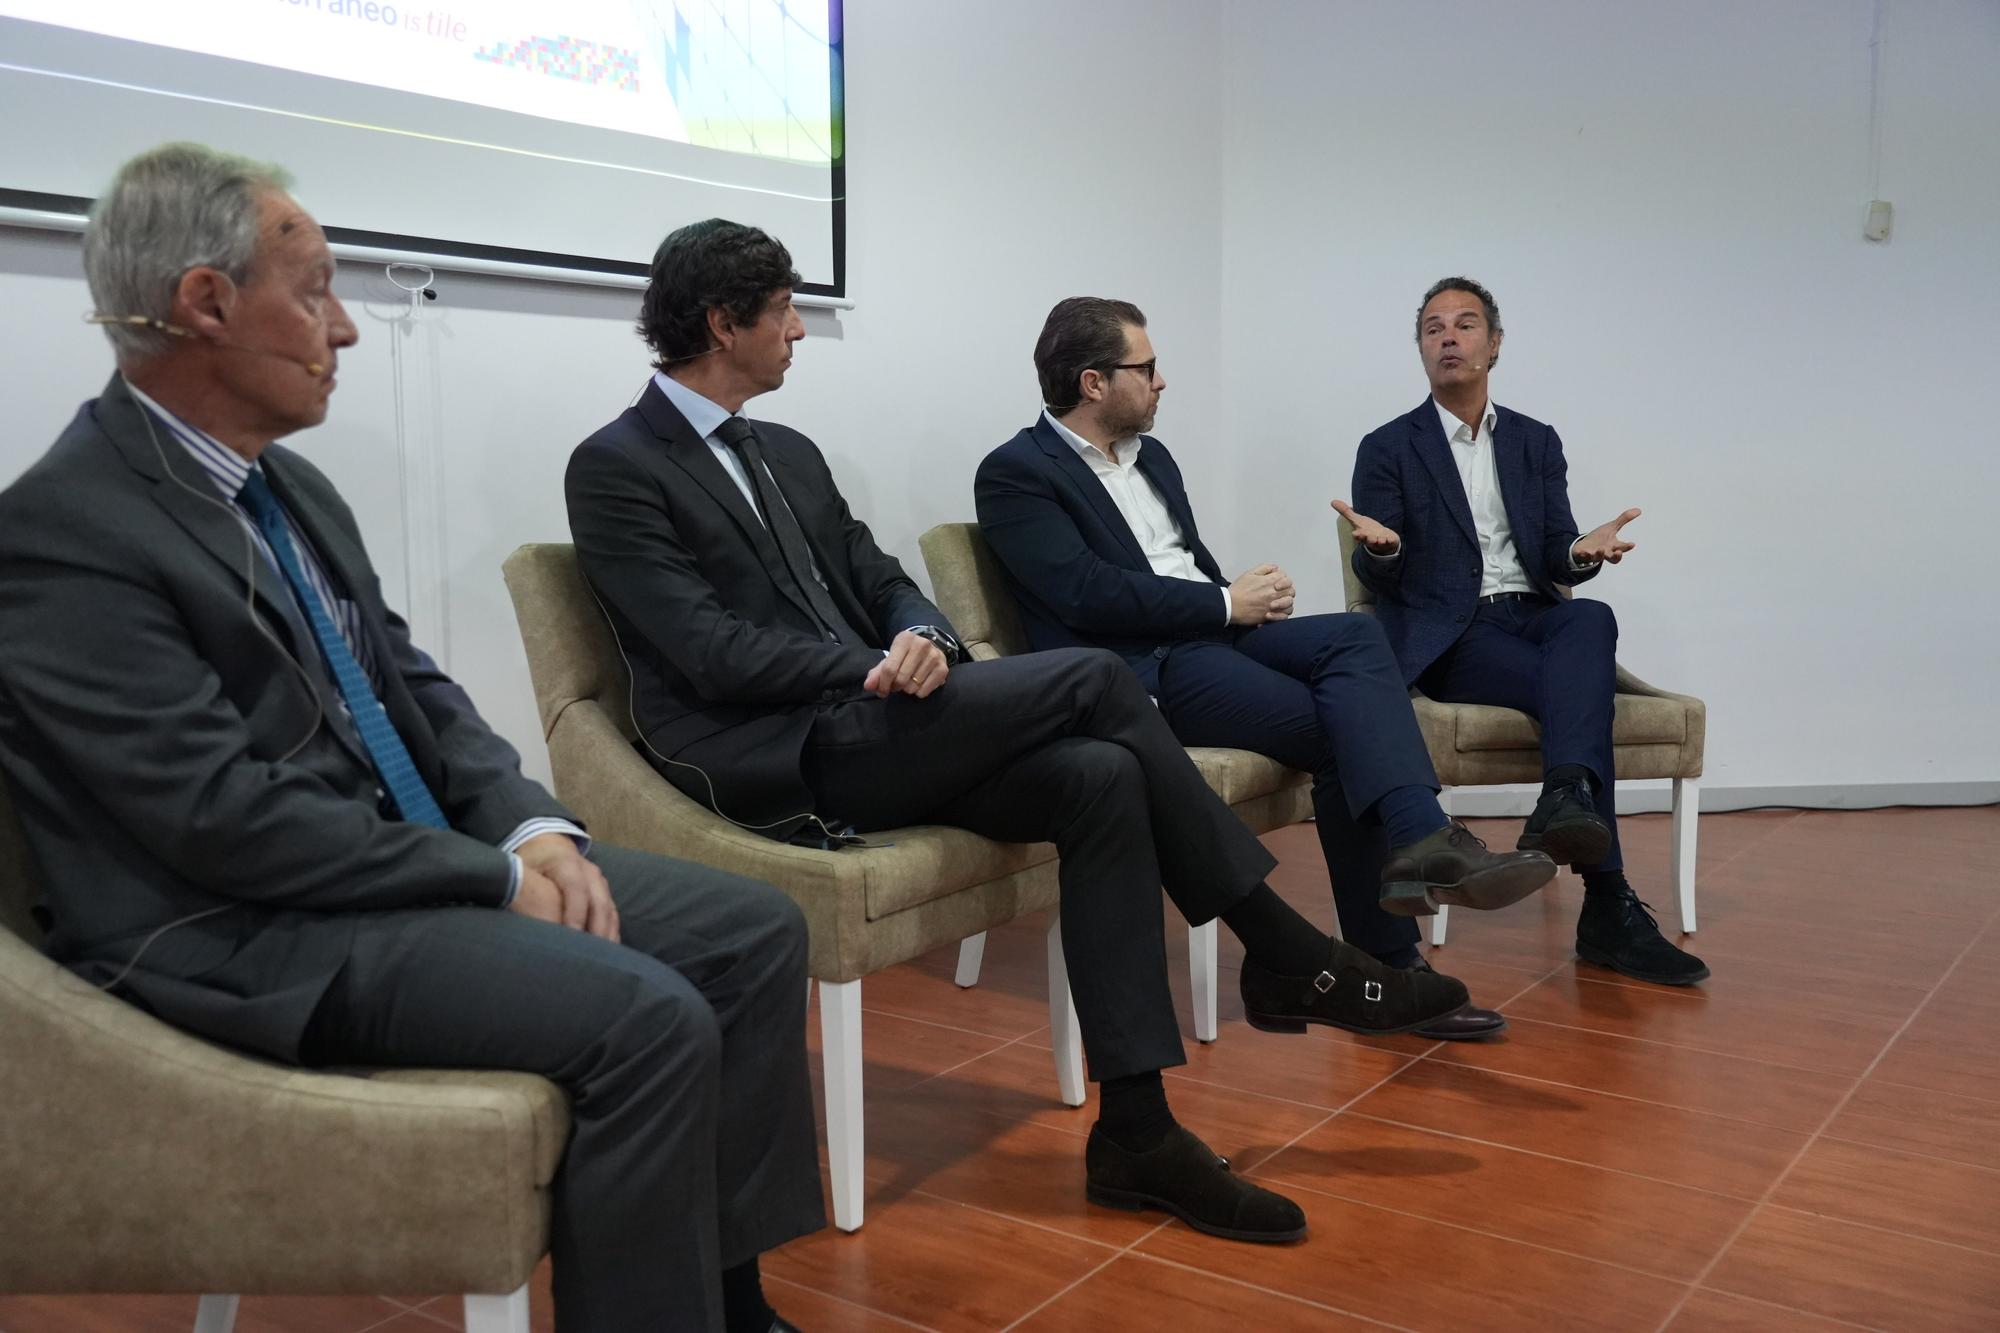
pixel 1160 652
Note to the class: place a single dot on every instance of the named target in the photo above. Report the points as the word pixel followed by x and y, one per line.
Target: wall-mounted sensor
pixel 1880 215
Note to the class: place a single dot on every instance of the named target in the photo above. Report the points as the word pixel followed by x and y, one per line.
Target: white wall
pixel 1667 201
pixel 995 168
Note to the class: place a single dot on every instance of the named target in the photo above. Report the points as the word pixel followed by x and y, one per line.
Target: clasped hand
pixel 914 666
pixel 559 885
pixel 1260 596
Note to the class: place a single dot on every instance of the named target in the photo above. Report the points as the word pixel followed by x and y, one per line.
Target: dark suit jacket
pixel 727 667
pixel 1406 480
pixel 1077 571
pixel 176 748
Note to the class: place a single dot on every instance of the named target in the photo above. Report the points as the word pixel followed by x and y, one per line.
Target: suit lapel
pixel 1091 489
pixel 689 453
pixel 1153 466
pixel 1427 438
pixel 1511 464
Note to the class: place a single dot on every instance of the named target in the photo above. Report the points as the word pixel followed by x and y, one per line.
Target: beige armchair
pixel 973 593
pixel 1655 734
pixel 137 1158
pixel 866 908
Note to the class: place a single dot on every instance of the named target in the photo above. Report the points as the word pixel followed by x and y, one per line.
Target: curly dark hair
pixel 699 267
pixel 1470 288
pixel 1081 333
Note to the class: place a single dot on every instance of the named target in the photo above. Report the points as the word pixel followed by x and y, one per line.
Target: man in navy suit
pixel 1463 531
pixel 1091 520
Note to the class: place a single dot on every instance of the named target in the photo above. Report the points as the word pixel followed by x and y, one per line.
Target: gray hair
pixel 177 207
pixel 1470 288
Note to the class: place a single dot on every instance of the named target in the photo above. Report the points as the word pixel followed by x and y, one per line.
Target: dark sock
pixel 1410 814
pixel 1405 957
pixel 1278 938
pixel 1604 883
pixel 744 1309
pixel 1132 1111
pixel 1563 773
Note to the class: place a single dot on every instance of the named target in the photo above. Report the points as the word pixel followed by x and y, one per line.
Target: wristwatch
pixel 942 638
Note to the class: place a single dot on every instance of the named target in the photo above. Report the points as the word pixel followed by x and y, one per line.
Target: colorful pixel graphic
pixel 572 58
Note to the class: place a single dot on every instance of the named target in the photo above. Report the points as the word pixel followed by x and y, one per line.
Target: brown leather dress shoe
pixel 1468 1024
pixel 1452 868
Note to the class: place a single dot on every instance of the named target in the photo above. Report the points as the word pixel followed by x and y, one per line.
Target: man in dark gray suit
pixel 264 815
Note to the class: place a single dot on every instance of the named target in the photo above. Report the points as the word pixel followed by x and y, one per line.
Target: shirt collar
pixel 1126 457
pixel 223 466
pixel 701 413
pixel 1451 423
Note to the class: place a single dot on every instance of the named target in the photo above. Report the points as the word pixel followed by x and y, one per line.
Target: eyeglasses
pixel 1146 366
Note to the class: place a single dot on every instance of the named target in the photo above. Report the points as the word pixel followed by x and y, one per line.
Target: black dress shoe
pixel 1355 992
pixel 1181 1176
pixel 1468 1024
pixel 1567 826
pixel 1617 931
pixel 1452 868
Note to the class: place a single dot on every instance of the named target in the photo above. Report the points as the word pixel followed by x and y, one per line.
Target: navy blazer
pixel 1076 568
pixel 1406 479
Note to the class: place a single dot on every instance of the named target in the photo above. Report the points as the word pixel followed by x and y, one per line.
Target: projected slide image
pixel 749 76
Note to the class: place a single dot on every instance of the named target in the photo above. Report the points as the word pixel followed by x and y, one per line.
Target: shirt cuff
pixel 1577 566
pixel 1228 605
pixel 535 828
pixel 1373 554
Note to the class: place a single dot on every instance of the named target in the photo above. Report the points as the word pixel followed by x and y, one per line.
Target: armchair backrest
pixel 1358 596
pixel 972 590
pixel 572 654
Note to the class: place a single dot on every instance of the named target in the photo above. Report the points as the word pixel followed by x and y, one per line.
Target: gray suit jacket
pixel 179 757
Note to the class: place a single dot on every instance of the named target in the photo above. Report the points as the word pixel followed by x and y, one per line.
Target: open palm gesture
pixel 1603 543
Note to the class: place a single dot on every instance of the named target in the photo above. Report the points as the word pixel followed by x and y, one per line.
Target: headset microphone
pixel 312 368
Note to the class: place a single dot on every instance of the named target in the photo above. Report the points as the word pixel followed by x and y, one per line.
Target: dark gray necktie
pixel 742 437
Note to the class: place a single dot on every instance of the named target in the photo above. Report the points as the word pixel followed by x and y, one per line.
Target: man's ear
pixel 1090 386
pixel 204 298
pixel 1493 357
pixel 721 326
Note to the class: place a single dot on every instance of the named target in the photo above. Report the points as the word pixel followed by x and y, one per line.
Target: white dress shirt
pixel 1500 567
pixel 1139 503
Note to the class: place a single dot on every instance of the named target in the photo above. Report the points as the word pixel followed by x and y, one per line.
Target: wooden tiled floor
pixel 1810 1141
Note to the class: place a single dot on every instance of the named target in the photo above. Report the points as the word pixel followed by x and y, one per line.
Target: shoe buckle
pixel 1323 982
pixel 1371 990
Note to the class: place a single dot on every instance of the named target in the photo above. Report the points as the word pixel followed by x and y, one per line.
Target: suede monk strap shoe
pixel 1355 992
pixel 1452 868
pixel 1181 1176
pixel 1617 931
pixel 1468 1024
pixel 1567 826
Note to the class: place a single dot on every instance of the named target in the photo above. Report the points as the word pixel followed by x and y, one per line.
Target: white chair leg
pixel 840 1059
pixel 971 952
pixel 1441 921
pixel 215 1314
pixel 1687 812
pixel 1064 1034
pixel 1201 975
pixel 498 1314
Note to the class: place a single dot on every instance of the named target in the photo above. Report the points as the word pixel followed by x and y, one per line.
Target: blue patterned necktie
pixel 378 734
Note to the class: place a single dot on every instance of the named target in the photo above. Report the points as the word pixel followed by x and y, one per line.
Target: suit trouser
pixel 1322 694
pixel 682 1050
pixel 1555 661
pixel 1065 747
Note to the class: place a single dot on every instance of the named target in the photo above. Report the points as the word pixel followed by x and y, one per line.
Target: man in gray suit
pixel 265 816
